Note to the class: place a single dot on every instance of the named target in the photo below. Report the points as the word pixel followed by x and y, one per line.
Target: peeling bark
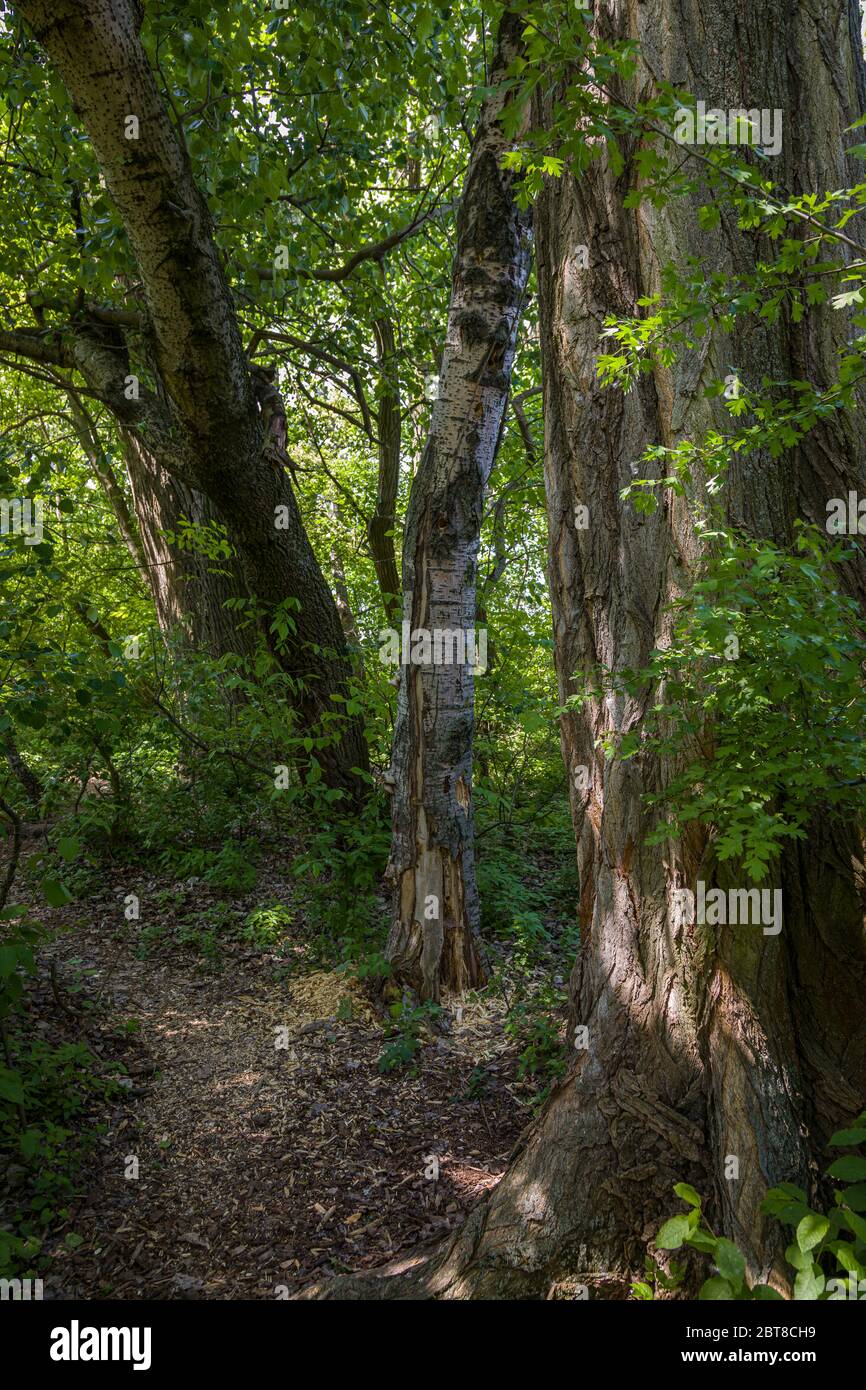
pixel 703 1042
pixel 433 940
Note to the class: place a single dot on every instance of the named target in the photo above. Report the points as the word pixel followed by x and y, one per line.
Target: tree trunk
pixel 433 939
pixel 380 530
pixel 189 590
pixel 704 1043
pixel 91 446
pixel 341 588
pixel 23 771
pixel 207 423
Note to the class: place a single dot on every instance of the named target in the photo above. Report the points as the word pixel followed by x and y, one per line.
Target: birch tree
pixel 433 942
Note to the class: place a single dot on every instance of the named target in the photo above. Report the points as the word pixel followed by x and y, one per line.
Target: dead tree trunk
pixel 433 939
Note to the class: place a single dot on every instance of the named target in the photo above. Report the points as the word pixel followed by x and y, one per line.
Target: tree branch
pixel 96 49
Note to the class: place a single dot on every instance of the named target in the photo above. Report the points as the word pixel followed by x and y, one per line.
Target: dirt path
pixel 258 1165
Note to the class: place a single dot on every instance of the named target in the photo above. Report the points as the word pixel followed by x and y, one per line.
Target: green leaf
pixel 797 1258
pixel 846 1257
pixel 730 1262
pixel 855 1197
pixel 843 1137
pixel 10 959
pixel 28 1142
pixel 68 848
pixel 703 1241
pixel 10 1086
pixel 856 1224
pixel 716 1289
pixel 809 1285
pixel 811 1231
pixel 424 21
pixel 848 1169
pixel 673 1233
pixel 56 893
pixel 688 1194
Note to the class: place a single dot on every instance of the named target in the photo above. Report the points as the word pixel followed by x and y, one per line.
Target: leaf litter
pixel 270 1146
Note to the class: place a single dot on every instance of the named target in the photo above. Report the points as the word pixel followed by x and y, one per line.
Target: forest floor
pixel 270 1145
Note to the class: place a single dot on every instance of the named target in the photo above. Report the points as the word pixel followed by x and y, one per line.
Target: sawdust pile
pixel 327 993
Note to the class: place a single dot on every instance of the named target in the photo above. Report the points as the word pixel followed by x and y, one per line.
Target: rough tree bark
pixel 388 422
pixel 92 448
pixel 204 425
pixel 703 1042
pixel 188 590
pixel 433 939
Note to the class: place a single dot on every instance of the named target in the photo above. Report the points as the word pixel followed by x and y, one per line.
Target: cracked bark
pixel 189 592
pixel 704 1042
pixel 433 940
